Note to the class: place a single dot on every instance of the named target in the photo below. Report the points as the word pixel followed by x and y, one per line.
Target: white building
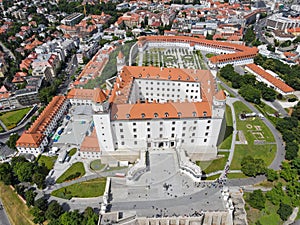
pixel 158 108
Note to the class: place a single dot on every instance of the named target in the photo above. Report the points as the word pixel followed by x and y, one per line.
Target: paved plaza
pixel 165 190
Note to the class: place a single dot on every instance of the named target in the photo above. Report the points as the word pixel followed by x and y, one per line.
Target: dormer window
pixel 204 113
pixel 127 115
pixel 179 114
pixel 155 115
pixel 143 115
pixel 115 116
pixel 140 75
pixel 166 114
pixel 194 114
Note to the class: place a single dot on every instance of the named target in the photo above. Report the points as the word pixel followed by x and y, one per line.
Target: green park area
pixel 97 165
pixel 75 171
pixel 72 152
pixel 226 144
pixel 12 118
pixel 47 161
pixel 214 165
pixel 17 211
pixel 86 189
pixel 260 141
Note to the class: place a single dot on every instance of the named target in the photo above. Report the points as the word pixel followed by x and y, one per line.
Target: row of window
pixel 160 123
pixel 182 141
pixel 168 83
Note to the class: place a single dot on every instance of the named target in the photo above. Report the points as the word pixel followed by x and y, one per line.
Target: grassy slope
pixel 76 167
pixel 48 161
pixel 226 144
pixel 17 211
pixel 266 152
pixel 12 118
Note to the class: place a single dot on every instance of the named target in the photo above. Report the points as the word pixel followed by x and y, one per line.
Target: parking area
pixel 75 126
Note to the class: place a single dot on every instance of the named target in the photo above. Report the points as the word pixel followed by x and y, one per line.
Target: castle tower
pixel 120 61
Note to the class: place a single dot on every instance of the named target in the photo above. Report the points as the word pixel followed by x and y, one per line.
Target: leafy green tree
pixel 41 204
pixel 90 217
pixel 39 179
pixel 71 218
pixel 24 171
pixel 257 199
pixel 288 173
pixel 284 211
pixel 252 167
pixel 54 210
pixel 291 149
pixel 249 36
pixel 6 174
pixel 29 196
pixel 11 142
pixel 296 164
pixel 276 194
pixel 272 175
pixel 250 94
pixel 39 216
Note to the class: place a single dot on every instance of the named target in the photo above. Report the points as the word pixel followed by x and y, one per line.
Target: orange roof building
pixel 34 139
pixel 153 108
pixel 227 53
pixel 265 77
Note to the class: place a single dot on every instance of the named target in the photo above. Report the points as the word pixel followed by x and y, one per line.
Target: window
pixel 120 124
pixel 148 123
pixel 172 135
pixel 173 128
pixel 161 129
pixel 161 123
pixel 166 114
pixel 135 142
pixel 179 114
pixel 184 122
pixel 122 143
pixel 208 121
pixel 195 122
pixel 160 136
pixel 193 134
pixel 134 124
pixel 192 141
pixel 148 129
pixel 143 115
pixel 206 134
pixel 194 128
pixel 183 128
pixel 182 141
pixel 134 129
pixel 205 140
pixel 194 114
pixel 122 136
pixel 207 128
pixel 173 122
pixel 183 135
pixel 121 130
pixel 127 116
pixel 155 115
pixel 204 113
pixel 148 135
pixel 135 136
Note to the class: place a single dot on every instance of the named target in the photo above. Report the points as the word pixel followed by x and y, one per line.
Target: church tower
pixel 120 61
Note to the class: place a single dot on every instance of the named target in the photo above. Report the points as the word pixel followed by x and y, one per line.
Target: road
pixel 70 71
pixel 6 50
pixel 279 157
pixel 3 216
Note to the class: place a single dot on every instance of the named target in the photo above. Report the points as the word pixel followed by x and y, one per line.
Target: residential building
pixel 34 140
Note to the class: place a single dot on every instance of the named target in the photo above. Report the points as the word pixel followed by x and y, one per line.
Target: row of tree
pixel 250 89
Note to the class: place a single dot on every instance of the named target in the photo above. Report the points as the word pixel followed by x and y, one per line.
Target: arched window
pixel 155 115
pixel 194 114
pixel 204 113
pixel 127 116
pixel 179 114
pixel 143 115
pixel 166 114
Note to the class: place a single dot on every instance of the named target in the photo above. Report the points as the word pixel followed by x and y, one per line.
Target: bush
pixel 284 211
pixel 257 199
pixel 73 176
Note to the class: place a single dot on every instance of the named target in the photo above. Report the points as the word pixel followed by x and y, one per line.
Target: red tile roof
pixel 276 82
pixel 95 95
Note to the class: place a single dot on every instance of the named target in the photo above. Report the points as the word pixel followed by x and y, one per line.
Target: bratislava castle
pixel 152 108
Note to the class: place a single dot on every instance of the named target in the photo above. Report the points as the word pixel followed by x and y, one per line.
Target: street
pixel 3 216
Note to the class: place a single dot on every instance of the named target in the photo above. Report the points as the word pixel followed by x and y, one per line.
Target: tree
pixel 257 199
pixel 24 171
pixel 291 149
pixel 276 194
pixel 250 94
pixel 296 164
pixel 39 216
pixel 39 179
pixel 70 218
pixel 90 217
pixel 54 210
pixel 6 174
pixel 271 175
pixel 284 211
pixel 287 173
pixel 252 167
pixel 29 196
pixel 11 142
pixel 41 204
pixel 249 36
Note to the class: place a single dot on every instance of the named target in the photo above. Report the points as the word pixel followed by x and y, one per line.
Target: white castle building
pixel 154 108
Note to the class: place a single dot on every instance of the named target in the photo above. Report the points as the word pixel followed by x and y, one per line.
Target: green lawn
pixel 214 165
pixel 48 161
pixel 72 152
pixel 226 144
pixel 17 211
pixel 86 189
pixel 236 175
pixel 75 171
pixel 265 151
pixel 12 118
pixel 97 165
